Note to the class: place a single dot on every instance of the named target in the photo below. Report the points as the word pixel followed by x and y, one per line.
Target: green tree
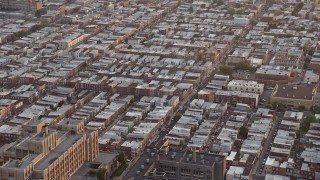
pixel 37 14
pixel 275 106
pixel 297 9
pixel 220 2
pixel 231 11
pixel 315 109
pixel 273 25
pixel 298 134
pixel 239 11
pixel 101 174
pixel 132 101
pixel 243 132
pixel 122 158
pixel 177 117
pixel 245 67
pixel 269 106
pixel 307 60
pixel 301 108
pixel 253 22
pixel 311 118
pixel 227 70
pixel 310 52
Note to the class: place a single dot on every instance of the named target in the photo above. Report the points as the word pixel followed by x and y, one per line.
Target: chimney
pixel 194 157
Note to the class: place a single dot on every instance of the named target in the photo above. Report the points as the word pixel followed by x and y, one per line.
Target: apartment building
pixel 235 97
pixel 9 133
pixel 47 156
pixel 273 74
pixel 27 5
pixel 192 165
pixel 8 107
pixel 245 86
pixel 287 60
pixel 70 41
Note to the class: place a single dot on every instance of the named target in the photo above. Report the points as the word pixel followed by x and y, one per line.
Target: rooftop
pixel 294 92
pixel 57 152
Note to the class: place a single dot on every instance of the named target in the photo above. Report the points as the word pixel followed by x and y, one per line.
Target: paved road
pixel 269 140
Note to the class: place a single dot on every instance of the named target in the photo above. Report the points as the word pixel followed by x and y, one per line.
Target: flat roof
pixel 57 152
pixel 294 92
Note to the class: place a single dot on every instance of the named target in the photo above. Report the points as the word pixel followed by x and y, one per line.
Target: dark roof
pixel 294 91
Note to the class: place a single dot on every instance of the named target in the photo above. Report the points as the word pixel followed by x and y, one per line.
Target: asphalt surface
pixel 259 164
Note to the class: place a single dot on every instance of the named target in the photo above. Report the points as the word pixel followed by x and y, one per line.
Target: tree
pixel 37 14
pixel 245 67
pixel 231 11
pixel 297 9
pixel 101 174
pixel 273 25
pixel 311 118
pixel 307 60
pixel 310 52
pixel 298 134
pixel 131 101
pixel 220 2
pixel 277 105
pixel 226 70
pixel 269 106
pixel 253 22
pixel 301 108
pixel 239 11
pixel 243 132
pixel 122 158
pixel 177 117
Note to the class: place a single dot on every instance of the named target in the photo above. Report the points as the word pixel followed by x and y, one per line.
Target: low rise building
pixel 246 86
pixel 235 97
pixel 294 96
pixel 70 41
pixel 179 165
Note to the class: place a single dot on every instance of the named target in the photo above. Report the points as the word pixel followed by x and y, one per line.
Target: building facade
pixel 52 157
pixel 234 97
pixel 178 165
pixel 245 86
pixel 27 5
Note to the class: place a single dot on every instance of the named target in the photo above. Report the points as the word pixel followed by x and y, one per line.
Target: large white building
pixel 246 86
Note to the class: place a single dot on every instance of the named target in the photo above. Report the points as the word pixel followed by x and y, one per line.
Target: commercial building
pixel 294 96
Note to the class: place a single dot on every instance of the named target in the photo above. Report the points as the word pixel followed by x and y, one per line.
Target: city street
pixel 268 143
